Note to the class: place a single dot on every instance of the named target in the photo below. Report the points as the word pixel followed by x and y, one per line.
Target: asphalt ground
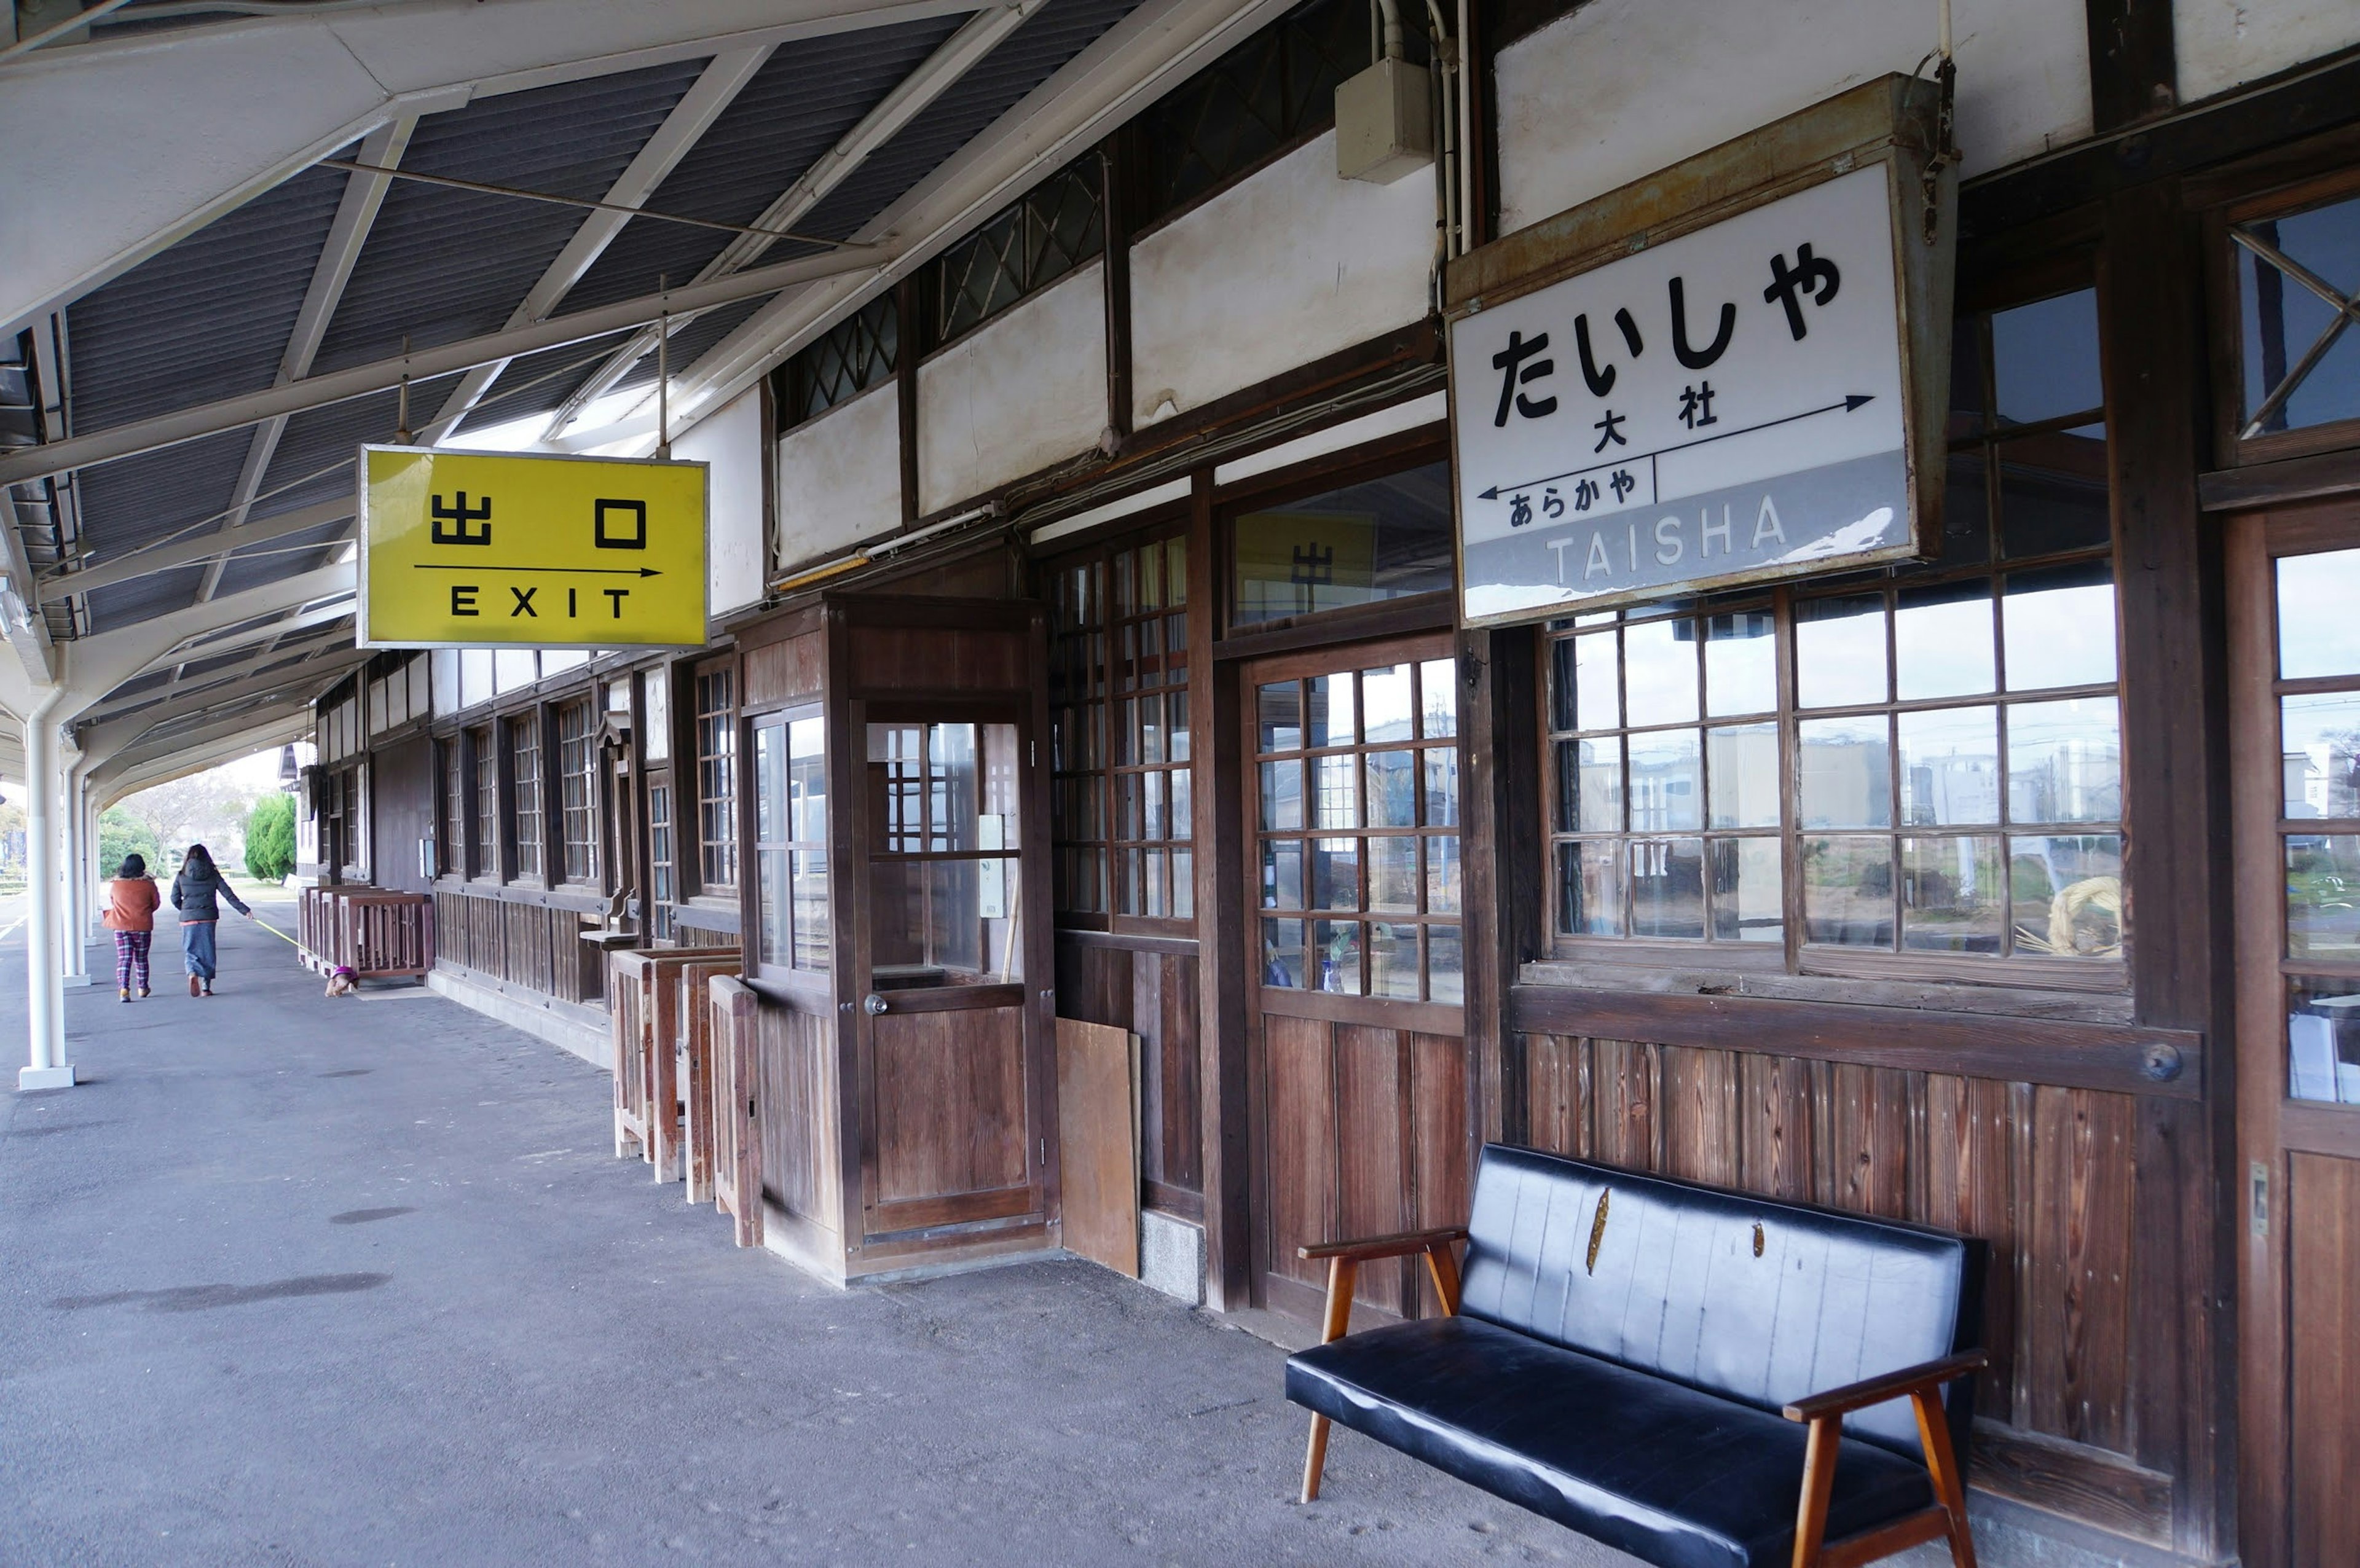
pixel 298 1281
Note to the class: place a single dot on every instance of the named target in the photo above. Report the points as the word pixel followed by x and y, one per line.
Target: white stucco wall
pixel 2219 44
pixel 731 441
pixel 1271 273
pixel 1623 88
pixel 840 478
pixel 1016 394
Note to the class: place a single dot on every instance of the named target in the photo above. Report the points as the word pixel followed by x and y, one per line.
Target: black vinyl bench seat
pixel 1699 1377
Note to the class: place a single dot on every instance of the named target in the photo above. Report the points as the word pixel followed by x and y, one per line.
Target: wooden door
pixel 623 833
pixel 1356 1053
pixel 2294 588
pixel 953 1054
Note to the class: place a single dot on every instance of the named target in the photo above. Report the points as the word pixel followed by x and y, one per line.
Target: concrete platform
pixel 288 1280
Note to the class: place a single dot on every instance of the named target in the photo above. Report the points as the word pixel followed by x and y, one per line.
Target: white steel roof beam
pixel 318 616
pixel 356 215
pixel 110 736
pixel 693 115
pixel 957 55
pixel 336 387
pixel 194 547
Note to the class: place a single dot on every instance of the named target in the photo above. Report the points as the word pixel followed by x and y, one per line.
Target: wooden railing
pixel 374 933
pixel 645 1021
pixel 738 1131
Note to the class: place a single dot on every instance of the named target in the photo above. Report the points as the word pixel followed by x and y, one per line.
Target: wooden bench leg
pixel 1343 1273
pixel 1942 1463
pixel 1819 1486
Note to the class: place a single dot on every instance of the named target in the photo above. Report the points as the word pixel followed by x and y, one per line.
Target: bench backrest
pixel 1758 1300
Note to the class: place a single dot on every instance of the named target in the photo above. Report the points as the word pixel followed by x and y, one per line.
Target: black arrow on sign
pixel 1851 402
pixel 597 570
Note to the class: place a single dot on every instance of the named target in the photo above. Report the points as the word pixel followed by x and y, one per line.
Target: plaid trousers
pixel 131 958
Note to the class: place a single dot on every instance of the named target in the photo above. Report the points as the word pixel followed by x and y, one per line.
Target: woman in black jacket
pixel 196 893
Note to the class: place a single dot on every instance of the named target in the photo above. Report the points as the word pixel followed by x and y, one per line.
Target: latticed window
pixel 577 786
pixel 1058 226
pixel 450 857
pixel 485 861
pixel 2297 297
pixel 1077 689
pixel 716 778
pixel 857 354
pixel 1923 763
pixel 524 775
pixel 662 888
pixel 1274 90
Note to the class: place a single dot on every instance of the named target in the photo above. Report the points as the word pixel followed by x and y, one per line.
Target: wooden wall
pixel 401 813
pixel 529 947
pixel 2048 1175
pixel 795 1077
pixel 1153 995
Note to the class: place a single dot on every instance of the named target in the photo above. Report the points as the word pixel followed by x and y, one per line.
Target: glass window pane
pixel 1393 876
pixel 1949 766
pixel 2322 896
pixel 1659 672
pixel 1942 642
pixel 1844 764
pixel 1281 955
pixel 1393 960
pixel 1183 885
pixel 2059 626
pixel 2067 895
pixel 1441 786
pixel 1381 539
pixel 1335 874
pixel 1597 683
pixel 1391 785
pixel 1150 728
pixel 807 781
pixel 1183 822
pixel 1748 902
pixel 951 780
pixel 1847 891
pixel 2052 492
pixel 1152 882
pixel 1151 822
pixel 1668 887
pixel 2318 633
pixel 1742 761
pixel 1282 874
pixel 2282 319
pixel 1667 781
pixel 2320 743
pixel 1741 664
pixel 1336 952
pixel 1281 796
pixel 2065 761
pixel 809 878
pixel 770 782
pixel 771 886
pixel 1438 689
pixel 2045 358
pixel 1952 899
pixel 1335 800
pixel 1590 887
pixel 1175 726
pixel 1441 874
pixel 1329 710
pixel 1590 785
pixel 2324 1040
pixel 1279 711
pixel 1446 975
pixel 1385 703
pixel 1176 570
pixel 1127 812
pixel 1839 652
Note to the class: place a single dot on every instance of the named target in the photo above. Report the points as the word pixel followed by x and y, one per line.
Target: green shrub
pixel 270 839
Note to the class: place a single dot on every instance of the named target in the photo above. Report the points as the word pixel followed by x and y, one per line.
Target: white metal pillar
pixel 75 966
pixel 48 1068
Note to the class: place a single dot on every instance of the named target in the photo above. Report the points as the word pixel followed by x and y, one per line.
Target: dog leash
pixel 274 931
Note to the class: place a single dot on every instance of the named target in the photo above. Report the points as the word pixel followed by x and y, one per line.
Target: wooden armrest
pixel 1889 1385
pixel 1399 1246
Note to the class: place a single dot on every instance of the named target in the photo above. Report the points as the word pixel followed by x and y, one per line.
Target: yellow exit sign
pixel 475 550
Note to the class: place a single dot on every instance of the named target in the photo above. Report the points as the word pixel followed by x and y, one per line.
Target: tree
pixel 270 839
pixel 120 833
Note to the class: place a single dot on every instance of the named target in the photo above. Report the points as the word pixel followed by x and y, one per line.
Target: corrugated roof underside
pixel 539 382
pixel 442 265
pixel 690 342
pixel 807 96
pixel 315 456
pixel 141 499
pixel 207 318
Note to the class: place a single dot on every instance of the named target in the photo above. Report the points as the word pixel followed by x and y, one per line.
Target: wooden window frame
pixel 727 722
pixel 585 778
pixel 526 831
pixel 788 974
pixel 2311 179
pixel 1300 482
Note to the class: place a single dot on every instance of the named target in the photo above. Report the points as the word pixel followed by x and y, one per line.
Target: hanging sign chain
pixel 663 370
pixel 402 419
pixel 1946 150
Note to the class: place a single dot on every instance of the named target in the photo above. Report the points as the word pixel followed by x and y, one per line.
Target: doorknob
pixel 873 1005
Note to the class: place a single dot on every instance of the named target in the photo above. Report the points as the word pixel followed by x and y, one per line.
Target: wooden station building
pixel 1088 646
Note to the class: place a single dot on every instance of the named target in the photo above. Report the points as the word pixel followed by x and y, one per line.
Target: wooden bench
pixel 644 1017
pixel 731 1007
pixel 681 991
pixel 1698 1378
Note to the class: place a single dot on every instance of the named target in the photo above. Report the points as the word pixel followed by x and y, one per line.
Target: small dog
pixel 343 981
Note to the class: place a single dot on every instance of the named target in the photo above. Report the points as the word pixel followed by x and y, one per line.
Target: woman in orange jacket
pixel 131 900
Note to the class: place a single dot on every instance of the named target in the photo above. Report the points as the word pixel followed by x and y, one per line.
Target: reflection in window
pixel 664 886
pixel 485 860
pixel 716 778
pixel 790 767
pixel 2297 277
pixel 2323 1038
pixel 1358 832
pixel 1384 538
pixel 577 785
pixel 944 872
pixel 524 780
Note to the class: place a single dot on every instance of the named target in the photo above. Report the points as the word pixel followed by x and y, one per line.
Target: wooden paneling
pixel 2045 1173
pixel 949 1107
pixel 2323 1220
pixel 1298 1096
pixel 795 1078
pixel 402 795
pixel 937 660
pixel 1098 1140
pixel 1153 995
pixel 781 671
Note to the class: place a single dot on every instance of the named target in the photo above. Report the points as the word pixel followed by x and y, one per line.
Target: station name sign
pixel 476 550
pixel 1742 402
